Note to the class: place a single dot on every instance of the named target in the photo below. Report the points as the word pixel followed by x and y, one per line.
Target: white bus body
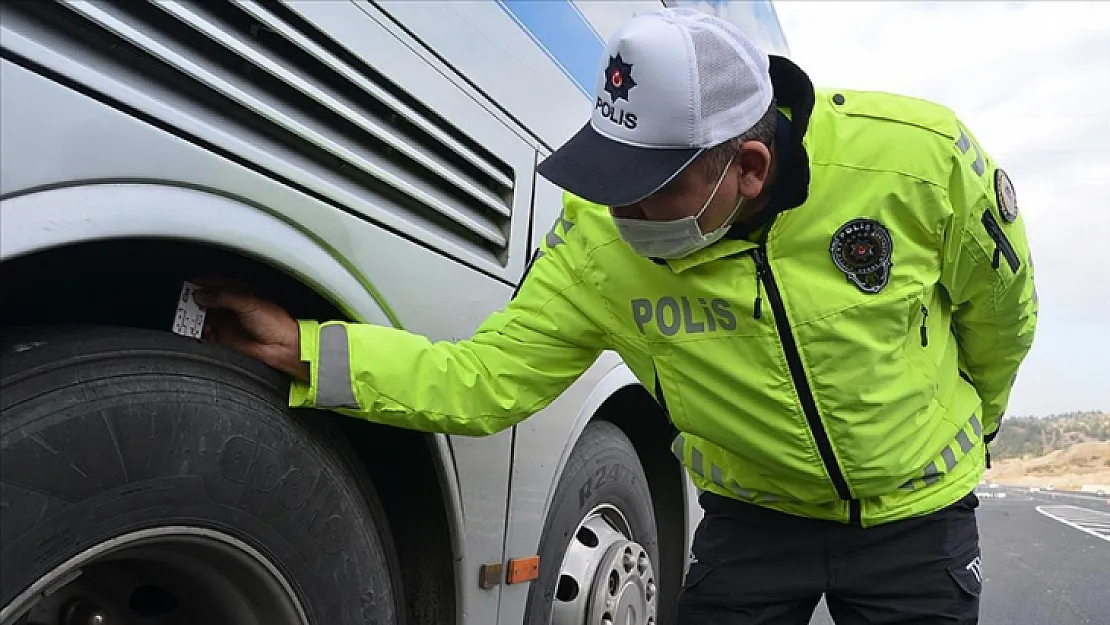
pixel 366 160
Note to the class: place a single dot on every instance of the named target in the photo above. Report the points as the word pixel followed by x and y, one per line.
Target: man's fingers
pixel 217 326
pixel 209 298
pixel 222 328
pixel 223 292
pixel 230 300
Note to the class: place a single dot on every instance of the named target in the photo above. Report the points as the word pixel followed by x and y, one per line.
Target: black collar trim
pixel 793 90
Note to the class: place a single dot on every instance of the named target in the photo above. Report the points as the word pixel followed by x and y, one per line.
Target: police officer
pixel 828 291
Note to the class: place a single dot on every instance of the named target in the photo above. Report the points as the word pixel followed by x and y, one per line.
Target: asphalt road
pixel 1046 559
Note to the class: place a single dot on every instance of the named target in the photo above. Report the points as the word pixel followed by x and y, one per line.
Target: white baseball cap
pixel 671 84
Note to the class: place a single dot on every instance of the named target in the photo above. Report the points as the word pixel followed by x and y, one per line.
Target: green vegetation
pixel 1025 437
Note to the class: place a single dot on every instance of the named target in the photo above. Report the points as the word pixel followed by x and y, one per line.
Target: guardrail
pixel 987 492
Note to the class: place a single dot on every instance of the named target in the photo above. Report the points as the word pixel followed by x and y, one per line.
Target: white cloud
pixel 1032 81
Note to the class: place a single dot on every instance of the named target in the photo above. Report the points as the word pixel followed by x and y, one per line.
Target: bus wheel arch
pixel 115 291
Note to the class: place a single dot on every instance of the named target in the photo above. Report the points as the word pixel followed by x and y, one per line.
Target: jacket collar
pixel 794 93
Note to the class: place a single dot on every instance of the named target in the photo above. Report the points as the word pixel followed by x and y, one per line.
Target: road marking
pixel 1088 521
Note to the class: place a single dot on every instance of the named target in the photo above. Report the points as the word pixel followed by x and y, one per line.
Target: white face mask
pixel 675 238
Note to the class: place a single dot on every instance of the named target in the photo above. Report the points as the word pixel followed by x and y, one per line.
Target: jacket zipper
pixel 801 384
pixel 1002 244
pixel 924 327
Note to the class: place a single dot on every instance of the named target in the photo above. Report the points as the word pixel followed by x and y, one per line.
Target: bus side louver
pixel 272 77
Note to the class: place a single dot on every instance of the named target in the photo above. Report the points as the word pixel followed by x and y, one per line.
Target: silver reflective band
pixel 932 474
pixel 949 459
pixel 697 461
pixel 553 239
pixel 716 474
pixel 567 224
pixel 964 442
pixel 743 492
pixel 333 381
pixel 964 143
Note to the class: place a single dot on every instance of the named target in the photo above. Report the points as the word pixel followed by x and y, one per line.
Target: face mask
pixel 675 238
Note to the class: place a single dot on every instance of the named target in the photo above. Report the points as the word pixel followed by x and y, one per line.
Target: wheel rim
pixel 606 577
pixel 166 575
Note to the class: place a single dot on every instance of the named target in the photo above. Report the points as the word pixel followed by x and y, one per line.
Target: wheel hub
pixel 624 590
pixel 84 613
pixel 606 578
pixel 160 576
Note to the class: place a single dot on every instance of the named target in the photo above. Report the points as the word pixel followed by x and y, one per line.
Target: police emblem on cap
pixel 618 79
pixel 862 249
pixel 1004 194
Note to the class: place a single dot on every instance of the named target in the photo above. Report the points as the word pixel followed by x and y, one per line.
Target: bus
pixel 363 160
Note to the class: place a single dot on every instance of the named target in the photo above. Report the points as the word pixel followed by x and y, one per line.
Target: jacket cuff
pixel 303 394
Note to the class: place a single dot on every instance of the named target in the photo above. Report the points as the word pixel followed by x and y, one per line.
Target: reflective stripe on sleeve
pixel 333 383
pixel 965 144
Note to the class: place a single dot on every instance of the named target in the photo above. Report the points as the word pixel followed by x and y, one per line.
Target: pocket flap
pixel 969 575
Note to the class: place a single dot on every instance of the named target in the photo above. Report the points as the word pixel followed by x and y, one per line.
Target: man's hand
pixel 251 325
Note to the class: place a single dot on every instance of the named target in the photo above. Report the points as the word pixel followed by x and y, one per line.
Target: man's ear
pixel 754 163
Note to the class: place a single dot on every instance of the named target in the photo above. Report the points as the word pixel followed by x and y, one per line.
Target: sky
pixel 1032 81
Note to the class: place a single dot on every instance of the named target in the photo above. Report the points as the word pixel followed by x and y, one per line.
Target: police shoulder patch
pixel 1005 196
pixel 862 249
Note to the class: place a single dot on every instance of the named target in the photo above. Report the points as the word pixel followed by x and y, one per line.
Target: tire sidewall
pixel 602 469
pixel 178 436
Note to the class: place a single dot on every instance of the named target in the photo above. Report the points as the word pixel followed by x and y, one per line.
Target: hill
pixel 1030 437
pixel 1064 451
pixel 1064 469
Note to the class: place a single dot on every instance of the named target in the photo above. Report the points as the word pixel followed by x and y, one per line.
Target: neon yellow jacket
pixel 799 391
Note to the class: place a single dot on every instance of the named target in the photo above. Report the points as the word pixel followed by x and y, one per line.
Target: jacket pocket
pixel 965 560
pixel 879 330
pixel 968 575
pixel 920 346
pixel 1003 247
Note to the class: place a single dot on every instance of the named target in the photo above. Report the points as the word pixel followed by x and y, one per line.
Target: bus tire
pixel 149 475
pixel 601 514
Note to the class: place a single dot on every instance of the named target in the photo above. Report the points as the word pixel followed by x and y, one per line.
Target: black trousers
pixel 754 566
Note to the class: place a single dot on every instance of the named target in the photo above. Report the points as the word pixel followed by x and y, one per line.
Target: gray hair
pixel 716 158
